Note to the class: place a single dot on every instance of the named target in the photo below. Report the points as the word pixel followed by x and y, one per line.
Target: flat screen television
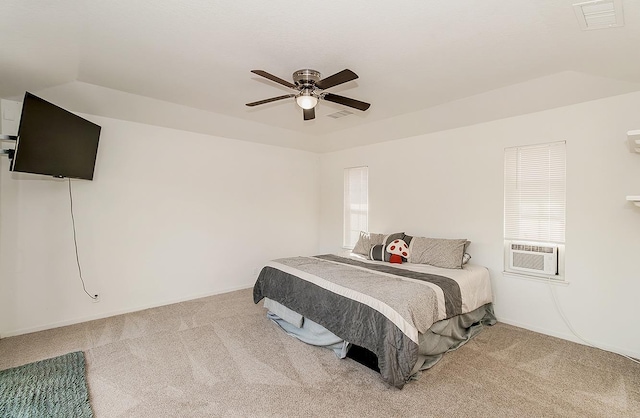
pixel 54 142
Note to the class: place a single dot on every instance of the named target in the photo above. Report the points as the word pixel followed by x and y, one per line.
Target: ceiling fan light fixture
pixel 306 100
pixel 310 89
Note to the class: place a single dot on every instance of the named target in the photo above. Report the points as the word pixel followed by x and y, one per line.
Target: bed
pixel 407 314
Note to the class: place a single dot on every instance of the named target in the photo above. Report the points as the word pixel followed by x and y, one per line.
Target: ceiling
pixel 423 65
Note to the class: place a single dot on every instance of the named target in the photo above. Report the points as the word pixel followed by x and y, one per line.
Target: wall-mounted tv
pixel 54 142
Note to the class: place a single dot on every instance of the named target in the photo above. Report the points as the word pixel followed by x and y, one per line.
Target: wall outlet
pixel 95 299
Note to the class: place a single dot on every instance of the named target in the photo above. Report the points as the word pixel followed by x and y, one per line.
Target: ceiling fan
pixel 310 88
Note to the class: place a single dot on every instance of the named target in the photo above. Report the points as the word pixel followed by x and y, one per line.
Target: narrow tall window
pixel 356 204
pixel 534 206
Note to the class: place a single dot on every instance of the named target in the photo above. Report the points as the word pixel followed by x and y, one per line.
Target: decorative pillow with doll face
pixel 379 251
pixel 399 251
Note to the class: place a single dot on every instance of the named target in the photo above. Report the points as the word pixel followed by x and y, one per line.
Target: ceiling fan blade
pixel 357 104
pixel 273 99
pixel 309 113
pixel 274 78
pixel 338 78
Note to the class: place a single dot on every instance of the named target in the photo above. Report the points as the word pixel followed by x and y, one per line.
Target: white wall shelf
pixel 634 140
pixel 634 199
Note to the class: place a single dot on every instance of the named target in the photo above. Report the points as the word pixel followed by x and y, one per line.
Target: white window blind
pixel 356 204
pixel 535 193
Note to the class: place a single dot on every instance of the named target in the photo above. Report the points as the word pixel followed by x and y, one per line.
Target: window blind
pixel 535 193
pixel 356 204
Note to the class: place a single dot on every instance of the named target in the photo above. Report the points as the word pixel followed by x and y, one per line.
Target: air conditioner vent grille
pixel 532 248
pixel 528 261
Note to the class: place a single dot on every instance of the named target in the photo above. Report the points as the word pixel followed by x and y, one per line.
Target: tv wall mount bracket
pixel 8 152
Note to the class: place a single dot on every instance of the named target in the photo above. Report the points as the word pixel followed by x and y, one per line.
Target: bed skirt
pixel 443 336
pixel 450 334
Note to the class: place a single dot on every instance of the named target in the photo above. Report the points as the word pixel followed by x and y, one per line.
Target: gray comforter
pixel 379 307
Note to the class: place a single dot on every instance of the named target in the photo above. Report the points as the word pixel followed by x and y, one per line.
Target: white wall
pixel 170 215
pixel 450 185
pixel 173 215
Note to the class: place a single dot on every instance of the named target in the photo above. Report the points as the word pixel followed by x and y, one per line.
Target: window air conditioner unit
pixel 533 258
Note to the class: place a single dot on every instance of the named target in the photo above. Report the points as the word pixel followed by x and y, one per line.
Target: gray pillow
pixel 445 253
pixel 366 241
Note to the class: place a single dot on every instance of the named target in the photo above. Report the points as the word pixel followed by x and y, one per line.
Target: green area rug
pixel 49 388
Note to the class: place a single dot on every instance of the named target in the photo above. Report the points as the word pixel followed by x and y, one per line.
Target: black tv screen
pixel 54 142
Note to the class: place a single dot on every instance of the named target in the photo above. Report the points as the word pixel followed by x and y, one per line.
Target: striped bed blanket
pixel 375 305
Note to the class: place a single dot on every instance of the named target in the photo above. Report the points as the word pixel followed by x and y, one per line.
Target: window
pixel 534 208
pixel 356 204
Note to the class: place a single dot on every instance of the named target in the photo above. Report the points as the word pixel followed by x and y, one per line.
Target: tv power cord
pixel 75 242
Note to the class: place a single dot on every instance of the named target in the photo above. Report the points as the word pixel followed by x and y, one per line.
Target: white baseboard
pixel 562 335
pixel 570 337
pixel 118 312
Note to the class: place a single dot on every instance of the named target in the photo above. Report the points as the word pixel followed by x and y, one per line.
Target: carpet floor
pixel 221 357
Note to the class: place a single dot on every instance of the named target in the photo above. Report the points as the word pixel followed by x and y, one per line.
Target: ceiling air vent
pixel 599 14
pixel 340 114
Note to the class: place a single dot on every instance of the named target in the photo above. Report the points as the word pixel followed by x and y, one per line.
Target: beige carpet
pixel 220 357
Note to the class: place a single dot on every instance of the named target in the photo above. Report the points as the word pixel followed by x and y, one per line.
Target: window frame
pixel 551 213
pixel 348 212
